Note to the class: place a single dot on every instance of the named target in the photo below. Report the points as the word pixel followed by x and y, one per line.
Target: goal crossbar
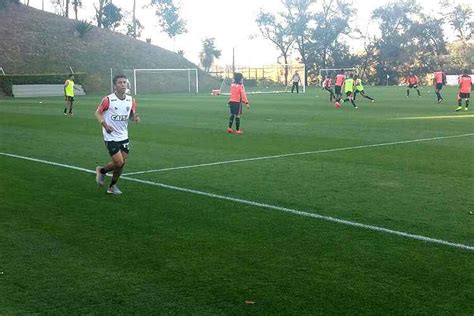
pixel 188 70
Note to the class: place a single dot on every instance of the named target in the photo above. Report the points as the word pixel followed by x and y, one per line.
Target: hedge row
pixel 7 81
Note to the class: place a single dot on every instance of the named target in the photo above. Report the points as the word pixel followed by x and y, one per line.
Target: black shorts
pixel 439 86
pixel 410 86
pixel 235 108
pixel 329 90
pixel 68 98
pixel 115 147
pixel 337 89
pixel 348 93
pixel 464 95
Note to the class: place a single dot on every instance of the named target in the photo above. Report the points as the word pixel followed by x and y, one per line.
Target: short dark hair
pixel 71 75
pixel 342 70
pixel 466 71
pixel 117 77
pixel 238 77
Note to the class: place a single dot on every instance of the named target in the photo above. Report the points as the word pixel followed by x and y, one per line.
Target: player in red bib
pixel 439 80
pixel 465 86
pixel 412 82
pixel 327 83
pixel 339 83
pixel 237 96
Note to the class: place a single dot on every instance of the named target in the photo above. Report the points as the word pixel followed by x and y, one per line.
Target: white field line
pixel 299 154
pixel 434 117
pixel 267 206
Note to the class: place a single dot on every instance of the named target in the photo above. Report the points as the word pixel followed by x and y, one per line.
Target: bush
pixel 7 81
pixel 82 27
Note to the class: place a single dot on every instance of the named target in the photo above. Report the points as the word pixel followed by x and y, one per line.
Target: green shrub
pixel 82 27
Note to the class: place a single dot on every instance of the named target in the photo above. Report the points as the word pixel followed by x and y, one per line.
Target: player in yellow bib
pixel 359 88
pixel 349 91
pixel 69 94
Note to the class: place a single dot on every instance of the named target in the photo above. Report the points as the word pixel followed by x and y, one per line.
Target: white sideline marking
pixel 298 154
pixel 267 206
pixel 433 117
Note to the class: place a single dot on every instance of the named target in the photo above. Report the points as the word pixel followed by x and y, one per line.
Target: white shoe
pixel 114 190
pixel 99 177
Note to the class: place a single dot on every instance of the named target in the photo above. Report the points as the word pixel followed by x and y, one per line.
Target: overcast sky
pixel 230 22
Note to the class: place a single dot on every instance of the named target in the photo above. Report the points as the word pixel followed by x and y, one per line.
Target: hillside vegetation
pixel 34 41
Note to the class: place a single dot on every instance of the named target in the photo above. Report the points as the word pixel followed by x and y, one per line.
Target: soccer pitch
pixel 312 210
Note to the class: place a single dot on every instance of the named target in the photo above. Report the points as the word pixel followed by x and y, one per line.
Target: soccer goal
pixel 265 79
pixel 156 81
pixel 332 72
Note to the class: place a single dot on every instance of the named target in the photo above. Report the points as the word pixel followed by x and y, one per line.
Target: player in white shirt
pixel 113 114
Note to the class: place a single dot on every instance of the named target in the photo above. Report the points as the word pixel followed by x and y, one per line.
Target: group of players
pixel 353 86
pixel 118 108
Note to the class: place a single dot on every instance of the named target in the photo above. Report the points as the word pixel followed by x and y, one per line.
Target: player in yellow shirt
pixel 359 88
pixel 69 94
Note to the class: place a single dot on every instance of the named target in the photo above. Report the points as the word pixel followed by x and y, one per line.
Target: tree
pixel 76 4
pixel 208 53
pixel 134 29
pixel 410 41
pixel 299 16
pixel 330 23
pixel 108 15
pixel 168 17
pixel 460 17
pixel 61 6
pixel 278 33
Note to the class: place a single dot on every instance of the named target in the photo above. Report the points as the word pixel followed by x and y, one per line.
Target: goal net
pixel 156 81
pixel 332 72
pixel 266 79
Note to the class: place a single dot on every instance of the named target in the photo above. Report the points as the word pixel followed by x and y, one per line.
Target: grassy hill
pixel 34 41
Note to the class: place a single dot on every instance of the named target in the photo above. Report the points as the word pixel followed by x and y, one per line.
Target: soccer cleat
pixel 338 105
pixel 465 109
pixel 230 130
pixel 114 190
pixel 373 101
pixel 239 131
pixel 440 100
pixel 459 108
pixel 356 107
pixel 99 177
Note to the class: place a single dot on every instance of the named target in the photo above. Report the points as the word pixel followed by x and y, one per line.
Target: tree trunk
pixel 66 9
pixel 134 20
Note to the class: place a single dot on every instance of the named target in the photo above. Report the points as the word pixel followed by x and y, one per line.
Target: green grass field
pixel 67 247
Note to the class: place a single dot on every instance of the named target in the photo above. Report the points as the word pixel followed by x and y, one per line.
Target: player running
pixel 349 91
pixel 339 82
pixel 237 96
pixel 465 86
pixel 439 80
pixel 359 88
pixel 327 83
pixel 412 82
pixel 113 114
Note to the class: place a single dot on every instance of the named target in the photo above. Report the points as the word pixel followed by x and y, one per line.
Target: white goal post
pixel 160 80
pixel 276 78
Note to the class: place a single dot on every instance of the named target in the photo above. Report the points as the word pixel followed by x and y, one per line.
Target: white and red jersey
pixel 116 113
pixel 327 83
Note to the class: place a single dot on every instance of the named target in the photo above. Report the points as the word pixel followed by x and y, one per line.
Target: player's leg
pixel 71 100
pixel 297 87
pixel 113 149
pixel 362 93
pixel 66 104
pixel 417 90
pixel 119 162
pixel 439 86
pixel 233 107
pixel 408 90
pixel 237 120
